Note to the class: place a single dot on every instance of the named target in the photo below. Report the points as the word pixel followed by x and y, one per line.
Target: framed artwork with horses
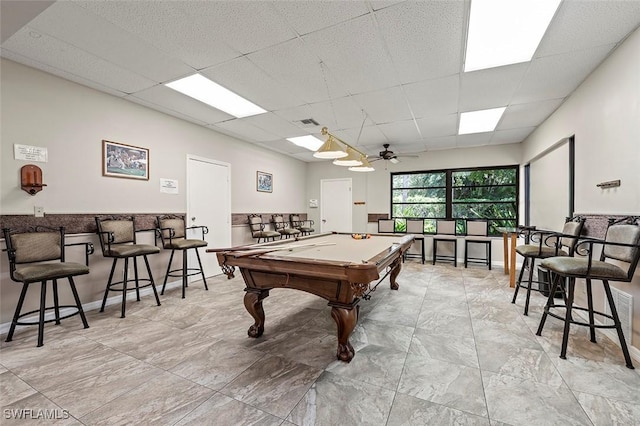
pixel 124 161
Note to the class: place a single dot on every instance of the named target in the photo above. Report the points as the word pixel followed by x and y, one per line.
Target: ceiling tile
pixel 70 59
pixel 424 38
pixel 490 88
pixel 170 100
pixel 580 25
pixel 518 135
pixel 275 125
pixel 284 146
pixel 242 77
pixel 247 131
pixel 296 67
pixel 384 106
pixel 433 97
pixel 354 53
pixel 525 115
pixel 80 28
pixel 551 78
pixel 400 133
pixel 445 142
pixel 168 111
pixel 474 139
pixel 162 24
pixel 309 16
pixel 337 113
pixel 438 125
pixel 371 137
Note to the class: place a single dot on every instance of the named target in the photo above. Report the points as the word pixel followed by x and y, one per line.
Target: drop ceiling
pixel 396 66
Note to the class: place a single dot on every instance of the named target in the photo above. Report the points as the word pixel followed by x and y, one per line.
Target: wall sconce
pixel 31 179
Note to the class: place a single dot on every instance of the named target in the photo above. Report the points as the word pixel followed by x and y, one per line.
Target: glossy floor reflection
pixel 447 348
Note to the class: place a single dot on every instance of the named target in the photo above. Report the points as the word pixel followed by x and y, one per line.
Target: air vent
pixel 309 122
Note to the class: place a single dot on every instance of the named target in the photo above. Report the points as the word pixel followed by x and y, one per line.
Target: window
pixel 478 193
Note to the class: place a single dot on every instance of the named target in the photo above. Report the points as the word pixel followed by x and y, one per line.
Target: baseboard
pixel 96 304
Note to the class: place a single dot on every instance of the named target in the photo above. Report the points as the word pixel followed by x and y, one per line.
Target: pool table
pixel 333 266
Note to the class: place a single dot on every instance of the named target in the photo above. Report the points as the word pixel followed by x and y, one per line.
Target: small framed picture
pixel 264 182
pixel 124 161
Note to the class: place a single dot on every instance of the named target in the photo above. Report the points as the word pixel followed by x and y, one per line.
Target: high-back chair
pixel 304 226
pixel 258 230
pixel 477 233
pixel 622 246
pixel 117 235
pixel 283 227
pixel 445 233
pixel 544 244
pixel 39 256
pixel 416 227
pixel 173 234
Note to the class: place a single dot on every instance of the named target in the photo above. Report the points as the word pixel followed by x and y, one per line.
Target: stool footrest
pixel 132 281
pixel 77 311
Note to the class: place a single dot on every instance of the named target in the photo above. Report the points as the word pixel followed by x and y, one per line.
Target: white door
pixel 209 204
pixel 335 205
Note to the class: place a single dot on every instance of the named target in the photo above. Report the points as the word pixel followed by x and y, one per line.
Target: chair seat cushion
pixel 305 229
pixel 289 231
pixel 531 250
pixel 49 271
pixel 130 250
pixel 265 234
pixel 182 244
pixel 577 267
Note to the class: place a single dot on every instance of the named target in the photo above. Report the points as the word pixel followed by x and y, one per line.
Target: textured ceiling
pixel 399 64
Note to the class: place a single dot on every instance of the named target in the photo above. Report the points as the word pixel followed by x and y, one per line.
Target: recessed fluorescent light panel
pixel 204 90
pixel 310 142
pixel 480 121
pixel 503 32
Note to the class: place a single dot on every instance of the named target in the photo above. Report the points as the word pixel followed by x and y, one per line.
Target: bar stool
pixel 622 245
pixel 477 233
pixel 416 227
pixel 445 233
pixel 117 235
pixel 547 244
pixel 31 260
pixel 173 234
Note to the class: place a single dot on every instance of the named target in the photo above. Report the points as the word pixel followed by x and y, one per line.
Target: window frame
pixel 449 192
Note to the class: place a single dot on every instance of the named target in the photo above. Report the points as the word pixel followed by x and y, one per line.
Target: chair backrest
pixel 624 231
pixel 255 223
pixel 123 230
pixel 169 223
pixel 478 227
pixel 386 225
pixel 573 226
pixel 415 226
pixel 294 218
pixel 445 227
pixel 278 221
pixel 29 247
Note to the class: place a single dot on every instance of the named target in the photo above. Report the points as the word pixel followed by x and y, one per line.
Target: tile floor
pixel 447 348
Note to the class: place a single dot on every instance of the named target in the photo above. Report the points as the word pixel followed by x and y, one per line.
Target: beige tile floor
pixel 447 348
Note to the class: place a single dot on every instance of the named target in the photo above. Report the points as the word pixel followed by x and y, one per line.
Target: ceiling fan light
pixel 352 159
pixel 331 149
pixel 394 160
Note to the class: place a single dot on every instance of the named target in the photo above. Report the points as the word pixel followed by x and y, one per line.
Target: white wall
pixel 604 115
pixel 71 121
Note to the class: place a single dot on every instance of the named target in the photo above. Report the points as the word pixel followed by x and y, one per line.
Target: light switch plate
pixel 38 211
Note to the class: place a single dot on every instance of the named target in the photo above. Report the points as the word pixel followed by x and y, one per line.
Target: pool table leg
pixel 346 320
pixel 253 303
pixel 396 266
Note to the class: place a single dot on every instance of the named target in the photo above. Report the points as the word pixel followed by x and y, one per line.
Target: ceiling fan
pixel 389 155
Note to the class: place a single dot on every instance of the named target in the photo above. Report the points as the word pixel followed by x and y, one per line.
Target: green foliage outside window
pixel 485 193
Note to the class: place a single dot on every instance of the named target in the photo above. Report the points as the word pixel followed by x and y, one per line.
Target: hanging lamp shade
pixel 352 159
pixel 364 167
pixel 330 149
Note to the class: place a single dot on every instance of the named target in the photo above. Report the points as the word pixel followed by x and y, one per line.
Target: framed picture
pixel 264 182
pixel 124 161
